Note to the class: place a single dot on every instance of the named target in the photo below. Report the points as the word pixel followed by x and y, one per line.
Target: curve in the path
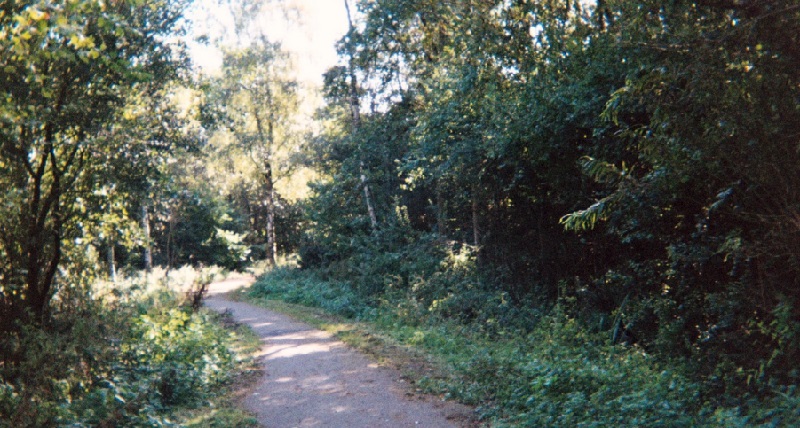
pixel 314 380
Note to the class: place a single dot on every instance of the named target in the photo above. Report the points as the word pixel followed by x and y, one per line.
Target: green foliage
pixel 68 71
pixel 637 159
pixel 198 228
pixel 573 378
pixel 183 353
pixel 293 286
pixel 129 359
pixel 545 369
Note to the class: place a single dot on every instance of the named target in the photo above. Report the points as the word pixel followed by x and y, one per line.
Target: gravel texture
pixel 313 380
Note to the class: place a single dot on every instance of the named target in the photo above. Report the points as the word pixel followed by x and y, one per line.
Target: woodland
pixel 589 211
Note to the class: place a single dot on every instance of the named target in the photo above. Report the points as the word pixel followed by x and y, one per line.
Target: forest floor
pixel 311 379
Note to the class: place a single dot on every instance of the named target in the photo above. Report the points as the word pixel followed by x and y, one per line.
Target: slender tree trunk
pixel 272 246
pixel 476 232
pixel 355 112
pixel 373 219
pixel 271 241
pixel 170 257
pixel 110 253
pixel 112 263
pixel 268 137
pixel 148 253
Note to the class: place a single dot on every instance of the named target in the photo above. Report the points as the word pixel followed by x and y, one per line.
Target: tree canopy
pixel 638 158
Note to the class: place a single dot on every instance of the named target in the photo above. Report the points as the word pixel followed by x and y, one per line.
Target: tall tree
pixel 255 99
pixel 355 115
pixel 65 69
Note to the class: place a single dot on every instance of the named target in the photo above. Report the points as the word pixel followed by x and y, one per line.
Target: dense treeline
pixel 635 161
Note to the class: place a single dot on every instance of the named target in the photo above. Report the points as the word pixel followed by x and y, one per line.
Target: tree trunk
pixel 43 240
pixel 355 112
pixel 112 263
pixel 170 251
pixel 272 246
pixel 148 253
pixel 42 266
pixel 268 137
pixel 373 219
pixel 476 232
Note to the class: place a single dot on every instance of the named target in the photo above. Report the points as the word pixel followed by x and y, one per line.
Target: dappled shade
pixel 311 379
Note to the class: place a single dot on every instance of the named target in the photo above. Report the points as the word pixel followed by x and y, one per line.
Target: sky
pixel 311 41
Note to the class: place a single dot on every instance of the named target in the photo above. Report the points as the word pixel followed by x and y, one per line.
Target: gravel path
pixel 313 380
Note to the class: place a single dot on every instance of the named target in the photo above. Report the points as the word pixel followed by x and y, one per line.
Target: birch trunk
pixel 355 111
pixel 268 136
pixel 272 246
pixel 112 263
pixel 148 253
pixel 476 232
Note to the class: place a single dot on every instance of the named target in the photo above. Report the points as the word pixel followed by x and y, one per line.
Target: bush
pixel 295 286
pixel 127 360
pixel 574 378
pixel 182 354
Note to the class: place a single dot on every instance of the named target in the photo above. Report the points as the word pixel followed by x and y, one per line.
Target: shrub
pixel 295 286
pixel 183 354
pixel 125 360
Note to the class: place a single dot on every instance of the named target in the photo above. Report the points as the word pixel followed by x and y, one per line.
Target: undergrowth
pixel 532 368
pixel 135 354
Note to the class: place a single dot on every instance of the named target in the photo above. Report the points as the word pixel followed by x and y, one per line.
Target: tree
pixel 702 181
pixel 663 136
pixel 255 100
pixel 355 112
pixel 65 72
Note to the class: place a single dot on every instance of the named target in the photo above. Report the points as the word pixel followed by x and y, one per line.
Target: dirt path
pixel 314 380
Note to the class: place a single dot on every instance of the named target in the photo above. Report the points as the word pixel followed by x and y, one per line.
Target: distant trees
pixel 255 102
pixel 636 157
pixel 67 72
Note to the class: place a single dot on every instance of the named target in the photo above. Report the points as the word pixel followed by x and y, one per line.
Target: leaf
pixel 38 15
pixel 587 219
pixel 722 197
